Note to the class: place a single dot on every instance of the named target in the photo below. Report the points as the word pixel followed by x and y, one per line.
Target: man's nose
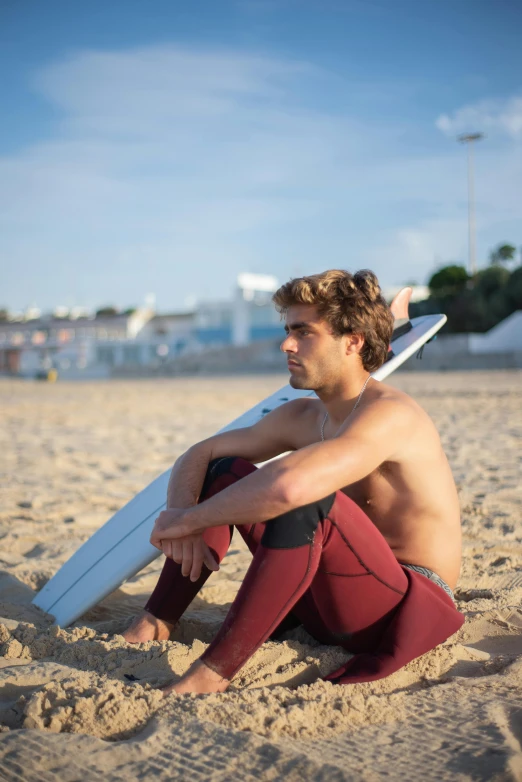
pixel 288 345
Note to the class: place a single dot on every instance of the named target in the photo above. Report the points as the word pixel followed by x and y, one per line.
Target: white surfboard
pixel 121 548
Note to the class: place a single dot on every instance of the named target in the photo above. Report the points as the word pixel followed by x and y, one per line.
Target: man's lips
pixel 293 364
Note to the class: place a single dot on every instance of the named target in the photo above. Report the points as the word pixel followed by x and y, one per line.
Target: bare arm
pixel 305 476
pixel 269 437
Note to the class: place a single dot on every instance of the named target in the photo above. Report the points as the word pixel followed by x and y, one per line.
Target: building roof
pixel 160 318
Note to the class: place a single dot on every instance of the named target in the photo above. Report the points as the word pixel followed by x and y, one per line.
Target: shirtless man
pixel 355 533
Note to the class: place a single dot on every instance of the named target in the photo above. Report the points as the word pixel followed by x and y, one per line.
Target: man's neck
pixel 339 400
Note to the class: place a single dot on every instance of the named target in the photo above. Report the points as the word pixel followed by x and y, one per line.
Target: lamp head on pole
pixel 467 137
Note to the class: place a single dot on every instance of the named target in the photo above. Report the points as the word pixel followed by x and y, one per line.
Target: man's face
pixel 316 358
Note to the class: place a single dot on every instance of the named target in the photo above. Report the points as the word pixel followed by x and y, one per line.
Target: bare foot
pixel 400 303
pixel 199 678
pixel 147 628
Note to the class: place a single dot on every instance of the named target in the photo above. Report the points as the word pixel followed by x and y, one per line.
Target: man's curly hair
pixel 350 304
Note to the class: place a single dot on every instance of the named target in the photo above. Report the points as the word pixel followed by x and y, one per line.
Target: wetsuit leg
pixel 327 565
pixel 326 561
pixel 358 583
pixel 174 592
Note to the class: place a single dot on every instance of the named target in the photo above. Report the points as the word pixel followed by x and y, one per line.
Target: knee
pixel 297 527
pixel 229 465
pixel 228 468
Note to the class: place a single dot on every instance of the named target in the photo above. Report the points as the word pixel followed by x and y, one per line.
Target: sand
pixel 72 454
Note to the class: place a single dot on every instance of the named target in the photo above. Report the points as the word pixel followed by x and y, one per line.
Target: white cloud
pixel 156 85
pixel 492 116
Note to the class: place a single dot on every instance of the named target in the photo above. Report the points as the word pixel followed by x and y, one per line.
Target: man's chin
pixel 299 382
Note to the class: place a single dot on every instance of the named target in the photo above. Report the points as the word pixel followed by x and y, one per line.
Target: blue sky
pixel 163 147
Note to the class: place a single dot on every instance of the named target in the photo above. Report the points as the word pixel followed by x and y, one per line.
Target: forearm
pixel 257 497
pixel 187 477
pixel 298 479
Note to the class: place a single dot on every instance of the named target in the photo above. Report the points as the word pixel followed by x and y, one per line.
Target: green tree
pixel 467 312
pixel 496 292
pixel 448 281
pixel 106 312
pixel 502 254
pixel 490 280
pixel 513 290
pixel 4 314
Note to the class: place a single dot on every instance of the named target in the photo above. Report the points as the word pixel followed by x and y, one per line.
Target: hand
pixel 191 552
pixel 173 536
pixel 171 524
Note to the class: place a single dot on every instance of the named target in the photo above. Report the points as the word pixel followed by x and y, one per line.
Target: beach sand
pixel 72 454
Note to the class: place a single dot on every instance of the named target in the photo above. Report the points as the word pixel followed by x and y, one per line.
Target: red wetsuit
pixel 326 566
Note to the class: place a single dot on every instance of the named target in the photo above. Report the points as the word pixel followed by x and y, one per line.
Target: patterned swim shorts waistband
pixel 424 571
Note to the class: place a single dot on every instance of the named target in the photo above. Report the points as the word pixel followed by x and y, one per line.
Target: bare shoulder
pixel 298 419
pixel 308 410
pixel 289 417
pixel 389 396
pixel 306 407
pixel 389 408
pixel 280 430
pixel 295 410
pixel 301 413
pixel 406 417
pixel 300 406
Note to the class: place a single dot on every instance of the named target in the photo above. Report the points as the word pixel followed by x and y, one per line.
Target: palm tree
pixel 502 254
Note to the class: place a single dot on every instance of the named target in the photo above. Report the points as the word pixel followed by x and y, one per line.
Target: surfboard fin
pixel 399 308
pixel 401 303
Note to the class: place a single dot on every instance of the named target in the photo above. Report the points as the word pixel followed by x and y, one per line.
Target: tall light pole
pixel 469 139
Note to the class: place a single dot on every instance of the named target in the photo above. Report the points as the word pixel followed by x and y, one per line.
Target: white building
pixel 247 317
pixel 27 347
pixel 505 337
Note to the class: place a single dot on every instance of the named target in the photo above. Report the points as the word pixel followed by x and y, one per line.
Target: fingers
pixel 201 554
pixel 197 560
pixel 186 563
pixel 177 551
pixel 166 547
pixel 172 549
pixel 191 553
pixel 169 524
pixel 155 539
pixel 209 559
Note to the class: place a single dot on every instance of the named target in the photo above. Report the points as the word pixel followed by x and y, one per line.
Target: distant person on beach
pixel 355 533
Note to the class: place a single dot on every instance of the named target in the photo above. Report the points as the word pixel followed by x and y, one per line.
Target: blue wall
pixel 267 332
pixel 223 336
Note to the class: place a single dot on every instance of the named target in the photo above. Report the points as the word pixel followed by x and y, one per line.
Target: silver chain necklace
pixel 325 419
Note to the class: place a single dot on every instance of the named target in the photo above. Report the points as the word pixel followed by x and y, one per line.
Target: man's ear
pixel 354 343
